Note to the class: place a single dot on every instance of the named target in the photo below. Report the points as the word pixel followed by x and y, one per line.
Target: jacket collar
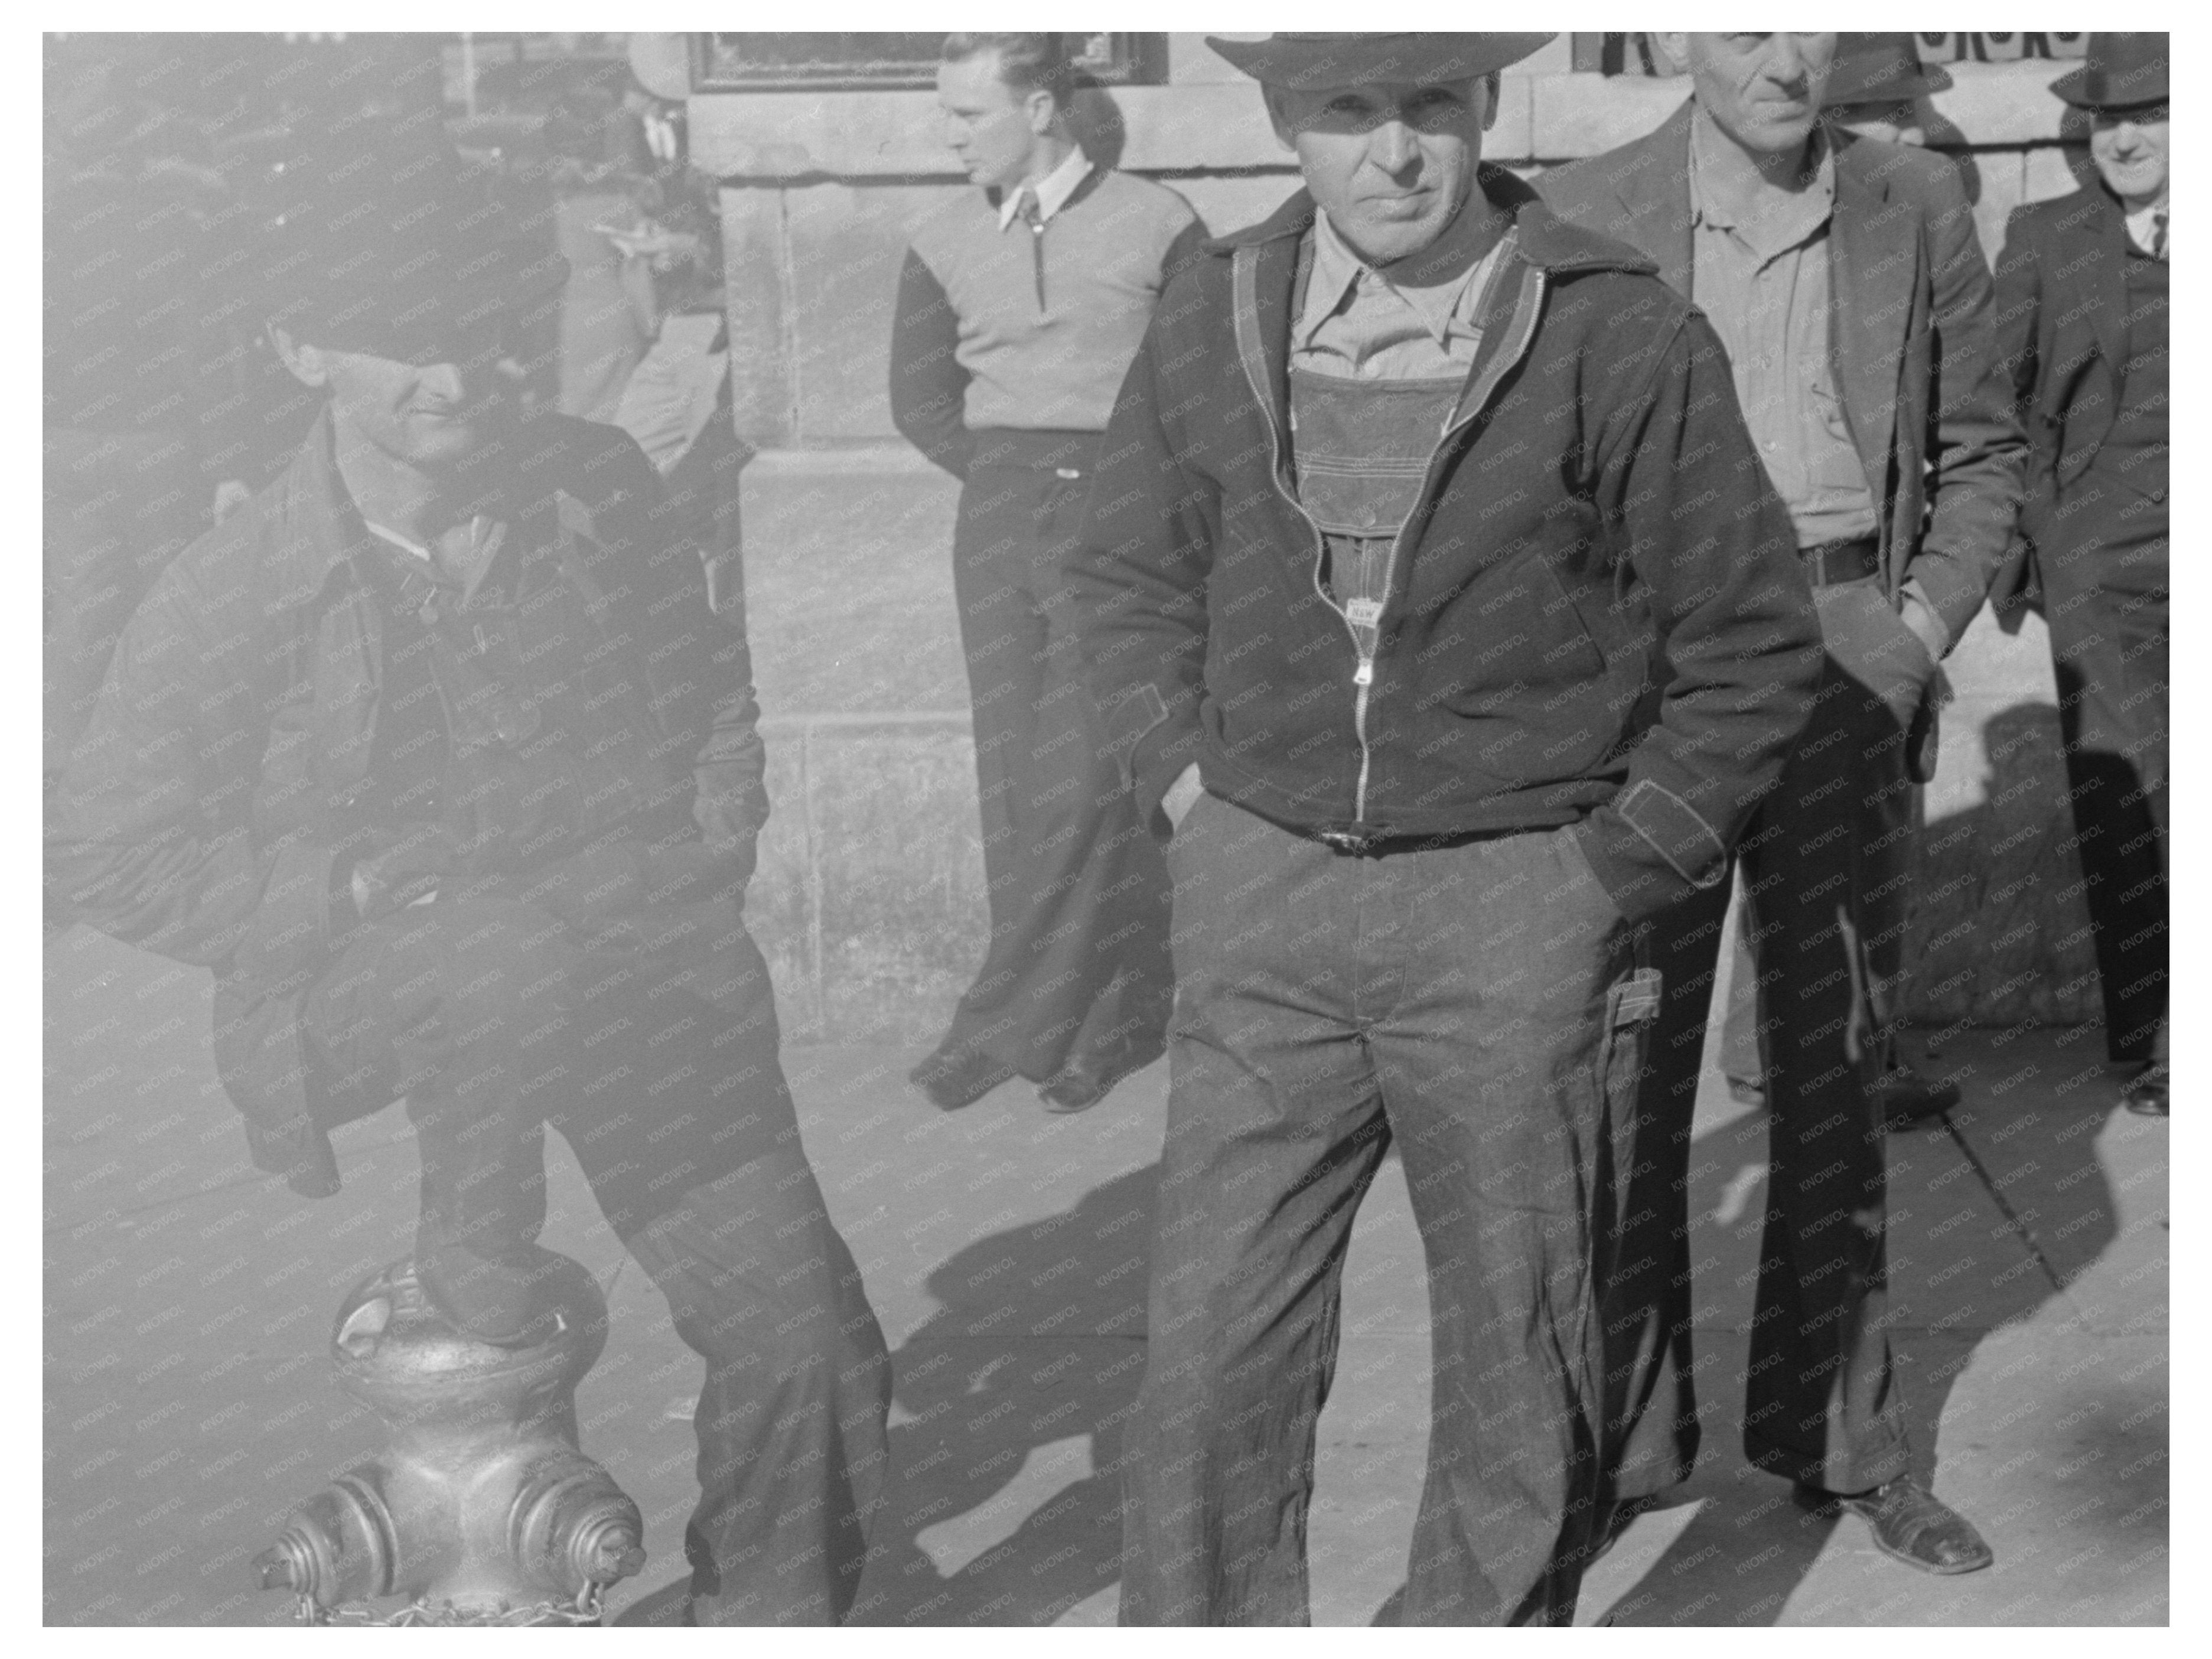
pixel 2096 225
pixel 1264 261
pixel 317 528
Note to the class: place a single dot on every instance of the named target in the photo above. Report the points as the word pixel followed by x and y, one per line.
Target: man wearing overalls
pixel 1412 497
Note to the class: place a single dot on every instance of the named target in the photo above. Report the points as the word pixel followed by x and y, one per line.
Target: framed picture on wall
pixel 758 62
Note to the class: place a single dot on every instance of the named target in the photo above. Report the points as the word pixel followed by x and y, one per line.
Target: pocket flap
pixel 1636 999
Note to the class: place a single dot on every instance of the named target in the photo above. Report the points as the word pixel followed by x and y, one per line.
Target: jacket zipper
pixel 1363 676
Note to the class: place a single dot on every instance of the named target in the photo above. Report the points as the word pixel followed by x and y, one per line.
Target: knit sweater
pixel 1015 328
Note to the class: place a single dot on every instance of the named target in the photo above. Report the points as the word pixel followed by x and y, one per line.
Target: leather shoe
pixel 957 1080
pixel 1908 1098
pixel 1080 1086
pixel 2145 1095
pixel 1911 1524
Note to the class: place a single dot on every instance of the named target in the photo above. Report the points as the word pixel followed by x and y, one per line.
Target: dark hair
pixel 1027 62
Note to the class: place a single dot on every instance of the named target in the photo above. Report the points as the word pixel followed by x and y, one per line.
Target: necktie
pixel 1026 205
pixel 2158 235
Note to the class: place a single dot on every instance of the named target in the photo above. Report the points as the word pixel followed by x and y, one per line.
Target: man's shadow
pixel 1989 1216
pixel 1004 1501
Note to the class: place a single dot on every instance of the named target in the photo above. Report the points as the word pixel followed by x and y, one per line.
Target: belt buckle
pixel 1345 841
pixel 1069 472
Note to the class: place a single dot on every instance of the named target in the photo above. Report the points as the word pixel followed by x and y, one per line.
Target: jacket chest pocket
pixel 490 694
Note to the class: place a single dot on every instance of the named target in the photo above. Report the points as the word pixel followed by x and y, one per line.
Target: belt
pixel 1375 844
pixel 1022 449
pixel 1841 562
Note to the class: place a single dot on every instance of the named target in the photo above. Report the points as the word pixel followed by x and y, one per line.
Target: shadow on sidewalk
pixel 1991 1215
pixel 1005 1435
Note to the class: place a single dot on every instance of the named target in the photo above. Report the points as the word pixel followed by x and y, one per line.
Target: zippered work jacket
pixel 1596 614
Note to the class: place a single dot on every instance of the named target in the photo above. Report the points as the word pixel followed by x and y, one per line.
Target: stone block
pixel 848 584
pixel 763 397
pixel 847 243
pixel 1231 204
pixel 1577 115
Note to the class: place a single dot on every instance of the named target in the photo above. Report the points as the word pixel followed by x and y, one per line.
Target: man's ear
pixel 1278 115
pixel 307 364
pixel 1041 109
pixel 1490 100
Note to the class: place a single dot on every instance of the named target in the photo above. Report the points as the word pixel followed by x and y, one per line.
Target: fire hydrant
pixel 483 1510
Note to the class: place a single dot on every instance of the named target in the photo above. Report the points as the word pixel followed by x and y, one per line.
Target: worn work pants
pixel 1077 973
pixel 491 1022
pixel 1827 867
pixel 2107 608
pixel 1479 1005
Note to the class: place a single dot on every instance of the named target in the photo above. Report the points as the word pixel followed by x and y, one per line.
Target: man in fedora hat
pixel 1845 276
pixel 1877 85
pixel 1411 490
pixel 438 753
pixel 2082 303
pixel 1019 307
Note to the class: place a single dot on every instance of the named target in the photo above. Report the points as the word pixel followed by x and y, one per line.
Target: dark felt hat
pixel 1309 62
pixel 365 244
pixel 2122 71
pixel 1879 68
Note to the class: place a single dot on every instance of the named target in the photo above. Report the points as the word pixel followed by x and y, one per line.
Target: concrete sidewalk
pixel 189 1404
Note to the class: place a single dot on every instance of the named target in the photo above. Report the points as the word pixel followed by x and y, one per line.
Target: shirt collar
pixel 1790 221
pixel 1338 270
pixel 2141 224
pixel 1052 190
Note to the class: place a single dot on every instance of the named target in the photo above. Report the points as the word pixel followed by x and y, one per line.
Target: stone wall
pixel 869 898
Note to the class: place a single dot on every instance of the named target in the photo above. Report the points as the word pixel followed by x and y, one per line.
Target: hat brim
pixel 1311 63
pixel 2084 90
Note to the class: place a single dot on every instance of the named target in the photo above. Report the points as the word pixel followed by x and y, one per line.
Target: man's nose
pixel 1393 146
pixel 443 381
pixel 1785 60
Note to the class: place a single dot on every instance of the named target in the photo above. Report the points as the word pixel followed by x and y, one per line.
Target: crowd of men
pixel 1393 627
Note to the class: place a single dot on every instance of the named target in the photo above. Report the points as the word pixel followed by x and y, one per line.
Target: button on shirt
pixel 1359 323
pixel 1764 284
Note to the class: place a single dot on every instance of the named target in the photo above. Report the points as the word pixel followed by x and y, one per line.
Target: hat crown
pixel 2120 71
pixel 1313 61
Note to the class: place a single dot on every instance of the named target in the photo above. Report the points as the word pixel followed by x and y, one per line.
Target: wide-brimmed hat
pixel 1879 68
pixel 1310 62
pixel 394 250
pixel 2123 72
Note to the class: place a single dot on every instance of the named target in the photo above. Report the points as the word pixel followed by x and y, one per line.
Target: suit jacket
pixel 1924 391
pixel 2062 301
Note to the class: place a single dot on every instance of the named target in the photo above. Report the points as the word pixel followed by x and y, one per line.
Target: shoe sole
pixel 1928 1567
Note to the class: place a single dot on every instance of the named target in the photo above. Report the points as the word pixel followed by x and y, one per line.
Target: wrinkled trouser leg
pixel 1651 1407
pixel 1461 999
pixel 791 1449
pixel 1821 1404
pixel 1078 972
pixel 678 1112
